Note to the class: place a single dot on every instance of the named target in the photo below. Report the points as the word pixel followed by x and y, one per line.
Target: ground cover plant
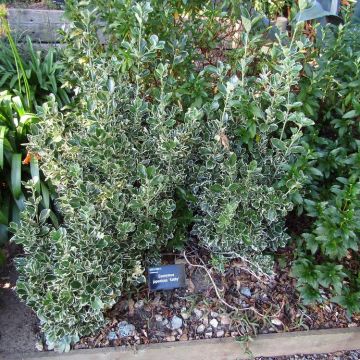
pixel 190 125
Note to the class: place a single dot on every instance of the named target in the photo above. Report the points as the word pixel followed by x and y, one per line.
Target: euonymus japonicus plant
pixel 150 154
pixel 328 258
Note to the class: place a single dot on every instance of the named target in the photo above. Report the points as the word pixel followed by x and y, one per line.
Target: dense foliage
pixel 23 85
pixel 43 73
pixel 164 141
pixel 189 123
pixel 328 256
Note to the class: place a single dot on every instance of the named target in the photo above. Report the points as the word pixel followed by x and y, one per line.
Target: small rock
pixel 200 329
pixel 234 334
pixel 176 305
pixel 198 313
pixel 214 314
pixel 170 338
pixel 158 318
pixel 277 322
pixel 245 291
pixel 205 321
pixel 352 325
pixel 208 335
pixel 165 322
pixel 184 337
pixel 176 323
pixel 185 315
pixel 125 329
pixel 112 336
pixel 39 346
pixel 179 331
pixel 220 333
pixel 214 323
pixel 225 320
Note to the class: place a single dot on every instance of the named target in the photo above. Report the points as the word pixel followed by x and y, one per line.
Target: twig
pixel 217 289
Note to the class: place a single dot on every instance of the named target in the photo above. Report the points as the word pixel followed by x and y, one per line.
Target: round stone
pixel 176 323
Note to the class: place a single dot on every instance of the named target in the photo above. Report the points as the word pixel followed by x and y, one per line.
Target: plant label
pixel 166 277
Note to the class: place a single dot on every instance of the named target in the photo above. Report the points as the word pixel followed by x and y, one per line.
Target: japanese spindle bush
pixel 141 160
pixel 327 258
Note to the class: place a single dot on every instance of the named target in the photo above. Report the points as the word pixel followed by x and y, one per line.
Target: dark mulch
pixel 276 301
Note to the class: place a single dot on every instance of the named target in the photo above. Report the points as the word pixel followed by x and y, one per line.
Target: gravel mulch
pixel 196 312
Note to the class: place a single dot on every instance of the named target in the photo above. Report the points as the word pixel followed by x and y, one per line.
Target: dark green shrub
pixel 328 252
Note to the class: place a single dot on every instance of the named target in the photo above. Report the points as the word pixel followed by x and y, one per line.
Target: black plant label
pixel 166 277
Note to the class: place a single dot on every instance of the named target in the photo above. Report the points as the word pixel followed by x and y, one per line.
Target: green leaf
pixel 279 144
pixel 216 188
pixel 45 195
pixel 246 23
pixel 350 114
pixel 97 304
pixel 3 130
pixel 315 171
pixel 44 215
pixel 16 175
pixel 35 172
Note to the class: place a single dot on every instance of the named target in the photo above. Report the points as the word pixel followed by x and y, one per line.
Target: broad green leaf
pixel 45 195
pixel 246 23
pixel 350 114
pixel 16 175
pixel 35 173
pixel 279 144
pixel 3 130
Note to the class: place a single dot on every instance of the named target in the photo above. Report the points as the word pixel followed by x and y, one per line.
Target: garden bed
pixel 162 148
pixel 195 312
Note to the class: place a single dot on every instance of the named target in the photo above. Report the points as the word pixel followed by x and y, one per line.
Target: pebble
pixel 198 313
pixel 39 346
pixel 125 329
pixel 225 320
pixel 277 322
pixel 165 322
pixel 184 337
pixel 158 318
pixel 205 321
pixel 214 323
pixel 214 314
pixel 176 323
pixel 208 335
pixel 112 336
pixel 185 315
pixel 220 333
pixel 245 291
pixel 200 329
pixel 170 338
